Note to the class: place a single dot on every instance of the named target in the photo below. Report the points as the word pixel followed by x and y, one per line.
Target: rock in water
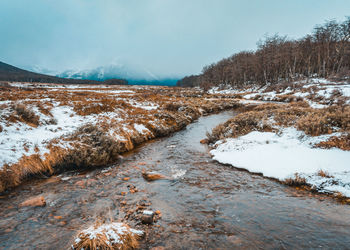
pixel 150 176
pixel 204 141
pixel 147 217
pixel 34 202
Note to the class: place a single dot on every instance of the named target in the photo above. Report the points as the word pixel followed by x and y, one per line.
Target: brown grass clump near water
pixel 324 174
pixel 107 236
pixel 296 181
pixel 265 117
pixel 342 142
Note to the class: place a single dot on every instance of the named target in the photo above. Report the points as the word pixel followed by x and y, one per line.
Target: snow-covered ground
pixel 20 139
pixel 318 92
pixel 282 155
pixel 123 113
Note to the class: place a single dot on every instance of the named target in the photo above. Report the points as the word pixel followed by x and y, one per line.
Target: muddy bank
pixel 204 204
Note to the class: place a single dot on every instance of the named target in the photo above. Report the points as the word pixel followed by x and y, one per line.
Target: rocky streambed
pixel 198 203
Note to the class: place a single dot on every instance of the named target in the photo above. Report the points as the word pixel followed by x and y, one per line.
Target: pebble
pixel 150 176
pixel 147 217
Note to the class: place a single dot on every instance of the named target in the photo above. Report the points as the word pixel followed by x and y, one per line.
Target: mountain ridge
pixel 15 74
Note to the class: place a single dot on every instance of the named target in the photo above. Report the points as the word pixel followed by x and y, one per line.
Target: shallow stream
pixel 203 204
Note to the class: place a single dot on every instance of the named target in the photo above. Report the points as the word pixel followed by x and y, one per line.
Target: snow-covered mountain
pixel 140 76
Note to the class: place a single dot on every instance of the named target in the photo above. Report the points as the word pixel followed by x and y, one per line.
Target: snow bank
pixel 19 139
pixel 282 155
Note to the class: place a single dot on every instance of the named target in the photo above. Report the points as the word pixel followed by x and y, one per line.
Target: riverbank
pixel 47 128
pixel 301 143
pixel 202 203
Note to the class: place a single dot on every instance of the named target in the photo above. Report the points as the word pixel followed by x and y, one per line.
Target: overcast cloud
pixel 170 38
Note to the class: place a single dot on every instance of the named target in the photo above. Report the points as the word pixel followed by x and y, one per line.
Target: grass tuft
pixel 107 236
pixel 296 181
pixel 27 115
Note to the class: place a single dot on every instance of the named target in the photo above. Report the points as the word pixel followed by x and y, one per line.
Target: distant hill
pixel 14 74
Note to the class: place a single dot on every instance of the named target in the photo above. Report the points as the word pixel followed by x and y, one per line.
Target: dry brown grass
pixel 296 181
pixel 325 121
pixel 85 108
pixel 341 198
pixel 313 122
pixel 324 174
pixel 240 125
pixel 13 175
pixel 342 142
pixel 25 114
pixel 92 145
pixel 44 109
pixel 101 239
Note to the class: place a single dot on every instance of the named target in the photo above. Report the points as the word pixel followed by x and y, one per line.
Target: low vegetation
pixel 22 113
pixel 269 117
pixel 297 181
pixel 298 130
pixel 342 142
pixel 107 236
pixel 89 126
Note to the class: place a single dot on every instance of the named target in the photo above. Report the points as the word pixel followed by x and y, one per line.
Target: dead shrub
pixel 296 181
pixel 26 115
pixel 342 142
pixel 172 106
pixel 8 178
pixel 324 174
pixel 240 125
pixel 289 115
pixel 281 87
pixel 96 107
pixel 324 121
pixel 92 148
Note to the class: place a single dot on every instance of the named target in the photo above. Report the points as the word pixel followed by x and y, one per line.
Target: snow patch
pixel 140 128
pixel 282 155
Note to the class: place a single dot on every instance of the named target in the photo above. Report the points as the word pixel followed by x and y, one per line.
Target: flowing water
pixel 203 204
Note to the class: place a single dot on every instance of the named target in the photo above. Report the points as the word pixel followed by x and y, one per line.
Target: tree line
pixel 323 53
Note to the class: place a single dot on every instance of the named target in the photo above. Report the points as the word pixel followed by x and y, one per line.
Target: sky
pixel 166 38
